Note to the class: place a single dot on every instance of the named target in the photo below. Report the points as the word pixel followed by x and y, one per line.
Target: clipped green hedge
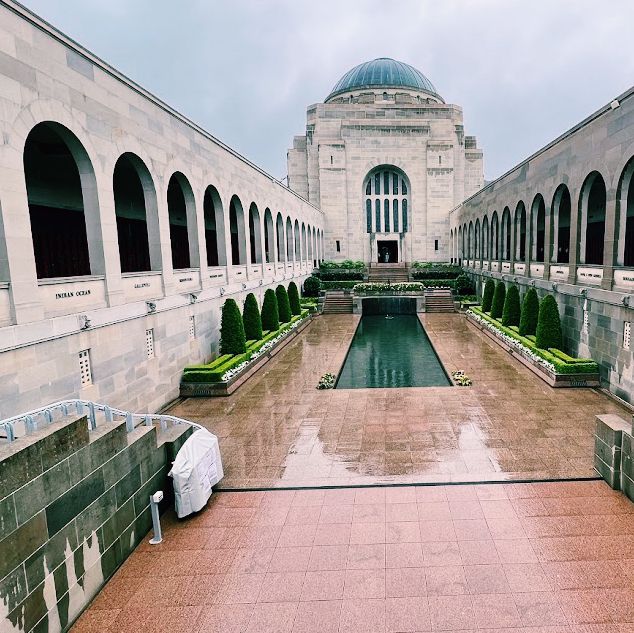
pixel 215 370
pixel 530 311
pixel 232 338
pixel 270 312
pixel 283 304
pixel 548 332
pixel 487 295
pixel 293 298
pixel 347 264
pixel 251 318
pixel 511 312
pixel 337 285
pixel 580 366
pixel 341 274
pixel 497 307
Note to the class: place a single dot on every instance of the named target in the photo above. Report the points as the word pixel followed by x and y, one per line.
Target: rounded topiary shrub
pixel 548 324
pixel 232 338
pixel 293 298
pixel 283 304
pixel 464 285
pixel 497 307
pixel 270 313
pixel 511 312
pixel 487 295
pixel 251 318
pixel 312 286
pixel 530 311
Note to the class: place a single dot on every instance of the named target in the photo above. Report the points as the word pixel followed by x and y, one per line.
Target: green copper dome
pixel 383 72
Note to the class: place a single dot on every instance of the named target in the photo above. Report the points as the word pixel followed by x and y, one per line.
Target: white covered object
pixel 195 470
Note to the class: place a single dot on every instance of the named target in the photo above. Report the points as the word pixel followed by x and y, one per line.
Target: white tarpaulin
pixel 195 470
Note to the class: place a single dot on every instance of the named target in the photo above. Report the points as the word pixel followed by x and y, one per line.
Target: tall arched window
pixel 593 198
pixel 134 201
pixel 279 237
pixel 560 226
pixel 214 228
pixel 182 214
pixel 538 228
pixel 388 187
pixel 59 178
pixel 268 236
pixel 255 237
pixel 625 216
pixel 236 229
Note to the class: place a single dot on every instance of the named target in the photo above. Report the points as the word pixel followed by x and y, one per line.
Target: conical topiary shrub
pixel 511 312
pixel 232 339
pixel 548 324
pixel 270 314
pixel 499 295
pixel 293 298
pixel 530 311
pixel 283 304
pixel 487 295
pixel 251 318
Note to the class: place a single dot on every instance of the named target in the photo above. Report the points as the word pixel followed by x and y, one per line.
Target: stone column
pixel 576 240
pixel 548 247
pixel 19 269
pixel 610 240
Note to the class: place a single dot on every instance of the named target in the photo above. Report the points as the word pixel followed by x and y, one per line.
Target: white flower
pixel 265 348
pixel 514 342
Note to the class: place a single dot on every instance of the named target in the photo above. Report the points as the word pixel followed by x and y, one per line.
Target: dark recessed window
pixel 338 246
pixel 435 245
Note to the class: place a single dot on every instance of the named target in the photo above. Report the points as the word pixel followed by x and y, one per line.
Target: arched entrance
pixel 386 207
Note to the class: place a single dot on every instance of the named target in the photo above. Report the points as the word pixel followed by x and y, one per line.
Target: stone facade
pixel 265 233
pixel 73 506
pixel 518 229
pixel 412 132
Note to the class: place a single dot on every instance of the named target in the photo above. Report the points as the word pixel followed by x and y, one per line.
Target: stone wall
pixel 122 374
pixel 73 505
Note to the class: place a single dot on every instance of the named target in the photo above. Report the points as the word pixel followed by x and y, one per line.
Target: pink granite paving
pixel 527 558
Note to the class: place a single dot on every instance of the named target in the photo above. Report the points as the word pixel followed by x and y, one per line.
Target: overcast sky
pixel 523 71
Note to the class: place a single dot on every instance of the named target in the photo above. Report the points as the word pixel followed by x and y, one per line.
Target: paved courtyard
pixel 279 430
pixel 526 558
pixel 542 557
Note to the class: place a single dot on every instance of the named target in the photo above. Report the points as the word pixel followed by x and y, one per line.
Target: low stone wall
pixel 613 452
pixel 73 505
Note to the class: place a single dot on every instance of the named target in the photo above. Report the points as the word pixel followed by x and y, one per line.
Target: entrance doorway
pixel 387 251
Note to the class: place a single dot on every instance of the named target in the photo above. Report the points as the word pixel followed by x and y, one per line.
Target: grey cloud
pixel 246 69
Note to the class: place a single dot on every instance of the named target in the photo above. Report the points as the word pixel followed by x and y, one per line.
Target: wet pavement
pixel 279 430
pixel 522 558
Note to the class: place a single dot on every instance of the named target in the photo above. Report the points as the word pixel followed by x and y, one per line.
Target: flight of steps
pixel 337 303
pixel 438 300
pixel 383 273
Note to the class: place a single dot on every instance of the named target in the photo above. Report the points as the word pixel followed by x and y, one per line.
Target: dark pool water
pixel 391 352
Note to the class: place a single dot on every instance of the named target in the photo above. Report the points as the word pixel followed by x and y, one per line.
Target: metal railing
pixel 97 414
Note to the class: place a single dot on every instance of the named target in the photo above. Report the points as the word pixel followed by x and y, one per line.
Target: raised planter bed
pixel 552 378
pixel 227 387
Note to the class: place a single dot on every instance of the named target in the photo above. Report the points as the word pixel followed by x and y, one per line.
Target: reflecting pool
pixel 391 351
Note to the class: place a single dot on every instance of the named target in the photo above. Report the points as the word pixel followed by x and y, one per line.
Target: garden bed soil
pixel 550 377
pixel 227 387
